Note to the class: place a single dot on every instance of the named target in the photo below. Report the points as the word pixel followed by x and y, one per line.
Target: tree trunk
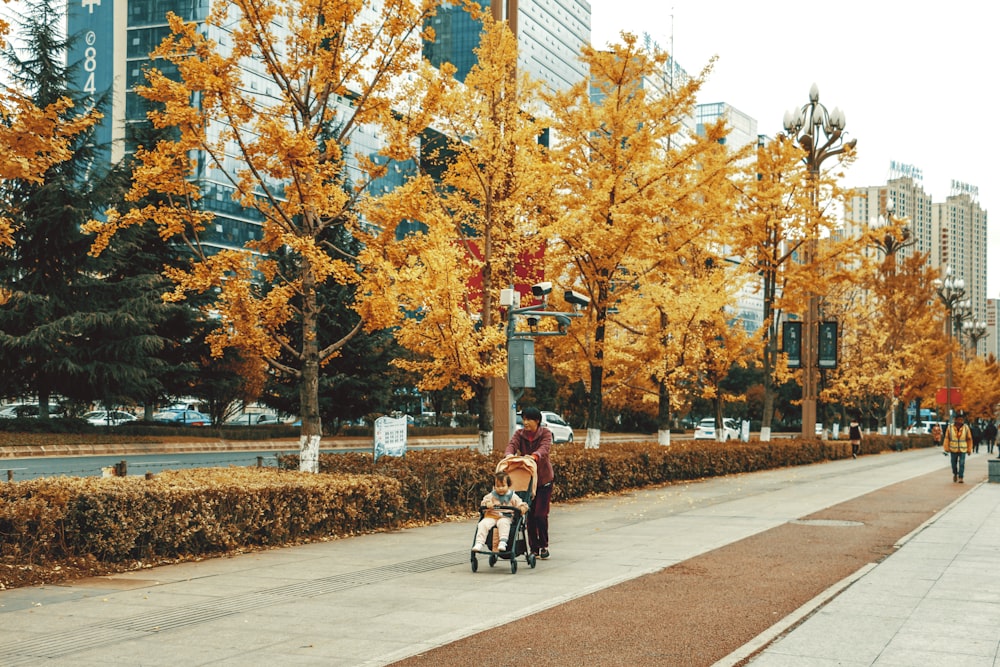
pixel 663 415
pixel 595 402
pixel 312 427
pixel 484 396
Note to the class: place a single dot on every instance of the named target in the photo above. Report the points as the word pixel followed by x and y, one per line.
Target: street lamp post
pixel 887 241
pixel 951 291
pixel 975 331
pixel 820 133
pixel 520 341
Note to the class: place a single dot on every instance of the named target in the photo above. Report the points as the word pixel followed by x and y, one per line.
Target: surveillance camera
pixel 563 322
pixel 541 290
pixel 532 321
pixel 576 299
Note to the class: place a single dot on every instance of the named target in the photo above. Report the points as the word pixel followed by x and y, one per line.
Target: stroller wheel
pixel 513 566
pixel 493 560
pixel 474 563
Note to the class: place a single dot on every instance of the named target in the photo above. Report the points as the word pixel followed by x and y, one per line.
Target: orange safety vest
pixel 958 441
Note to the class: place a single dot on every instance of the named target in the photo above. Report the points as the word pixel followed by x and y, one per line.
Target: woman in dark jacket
pixel 535 440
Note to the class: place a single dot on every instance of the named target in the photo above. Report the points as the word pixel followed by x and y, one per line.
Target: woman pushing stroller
pixel 535 440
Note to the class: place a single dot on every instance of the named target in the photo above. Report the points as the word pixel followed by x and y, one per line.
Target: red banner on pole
pixel 943 397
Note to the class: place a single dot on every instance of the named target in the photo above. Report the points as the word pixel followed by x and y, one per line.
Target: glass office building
pixel 115 41
pixel 550 36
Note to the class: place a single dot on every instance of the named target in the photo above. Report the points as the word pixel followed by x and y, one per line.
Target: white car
pixel 925 428
pixel 706 429
pixel 108 417
pixel 561 431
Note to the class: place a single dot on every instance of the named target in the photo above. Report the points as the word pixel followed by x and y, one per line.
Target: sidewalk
pixel 375 599
pixel 936 601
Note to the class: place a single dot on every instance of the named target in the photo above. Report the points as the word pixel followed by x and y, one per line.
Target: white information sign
pixel 390 436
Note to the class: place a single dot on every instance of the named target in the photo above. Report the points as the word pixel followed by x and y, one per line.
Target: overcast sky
pixel 916 81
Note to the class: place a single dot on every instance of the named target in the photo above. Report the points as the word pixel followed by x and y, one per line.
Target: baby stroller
pixel 523 477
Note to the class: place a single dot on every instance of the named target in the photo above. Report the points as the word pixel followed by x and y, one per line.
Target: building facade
pixel 961 226
pixel 550 35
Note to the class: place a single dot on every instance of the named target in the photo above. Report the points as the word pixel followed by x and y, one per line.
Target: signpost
pixel 390 436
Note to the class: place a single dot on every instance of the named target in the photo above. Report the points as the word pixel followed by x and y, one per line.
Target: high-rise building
pixel 902 196
pixel 952 233
pixel 115 41
pixel 550 35
pixel 960 225
pixel 743 128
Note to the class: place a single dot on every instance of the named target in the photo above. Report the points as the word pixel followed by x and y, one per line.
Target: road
pixel 24 463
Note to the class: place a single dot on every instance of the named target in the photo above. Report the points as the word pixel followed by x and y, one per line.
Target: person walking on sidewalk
pixel 958 442
pixel 990 435
pixel 535 440
pixel 854 433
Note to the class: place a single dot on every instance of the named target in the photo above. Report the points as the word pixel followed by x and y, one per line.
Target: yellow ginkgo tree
pixel 638 192
pixel 473 220
pixel 33 139
pixel 275 112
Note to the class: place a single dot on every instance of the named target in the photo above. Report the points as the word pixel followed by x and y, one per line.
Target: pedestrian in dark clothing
pixel 977 435
pixel 854 433
pixel 990 436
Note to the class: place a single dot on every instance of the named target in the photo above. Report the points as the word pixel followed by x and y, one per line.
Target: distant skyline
pixel 913 81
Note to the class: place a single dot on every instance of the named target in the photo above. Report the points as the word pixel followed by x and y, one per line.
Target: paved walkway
pixel 936 601
pixel 376 599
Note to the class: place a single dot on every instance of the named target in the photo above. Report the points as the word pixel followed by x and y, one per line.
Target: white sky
pixel 916 81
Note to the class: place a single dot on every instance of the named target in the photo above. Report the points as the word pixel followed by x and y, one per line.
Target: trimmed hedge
pixel 215 510
pixel 187 512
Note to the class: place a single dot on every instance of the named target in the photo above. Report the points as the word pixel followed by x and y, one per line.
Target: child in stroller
pixel 503 509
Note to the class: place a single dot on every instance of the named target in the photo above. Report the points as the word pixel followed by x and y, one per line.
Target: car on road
pixel 108 417
pixel 924 428
pixel 561 430
pixel 182 418
pixel 255 419
pixel 706 429
pixel 28 410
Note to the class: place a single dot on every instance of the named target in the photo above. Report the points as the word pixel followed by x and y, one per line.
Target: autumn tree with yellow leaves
pixel 640 199
pixel 891 349
pixel 32 139
pixel 324 71
pixel 476 207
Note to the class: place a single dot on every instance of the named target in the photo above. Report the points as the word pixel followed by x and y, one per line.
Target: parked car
pixel 706 429
pixel 28 410
pixel 924 428
pixel 182 418
pixel 258 419
pixel 108 417
pixel 561 430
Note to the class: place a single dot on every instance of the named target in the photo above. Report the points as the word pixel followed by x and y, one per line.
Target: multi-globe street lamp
pixel 951 291
pixel 820 133
pixel 887 241
pixel 975 331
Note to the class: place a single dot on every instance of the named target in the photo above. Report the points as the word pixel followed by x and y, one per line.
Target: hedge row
pixel 215 510
pixel 185 513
